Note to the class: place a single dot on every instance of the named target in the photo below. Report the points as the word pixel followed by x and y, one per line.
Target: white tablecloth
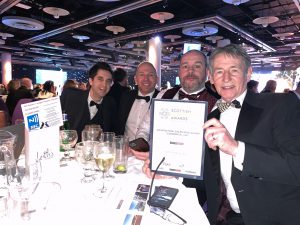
pixel 68 201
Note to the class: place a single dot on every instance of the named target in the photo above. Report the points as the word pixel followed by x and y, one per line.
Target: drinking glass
pixel 104 156
pixel 108 139
pixel 23 180
pixel 84 156
pixel 121 146
pixel 68 139
pixel 91 132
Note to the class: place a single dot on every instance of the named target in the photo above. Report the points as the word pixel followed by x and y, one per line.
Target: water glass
pixel 84 156
pixel 121 146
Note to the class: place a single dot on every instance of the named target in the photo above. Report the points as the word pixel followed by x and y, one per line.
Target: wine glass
pixel 104 156
pixel 68 139
pixel 84 156
pixel 91 132
pixel 23 180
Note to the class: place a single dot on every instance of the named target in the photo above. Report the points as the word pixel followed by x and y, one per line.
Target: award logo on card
pixel 33 121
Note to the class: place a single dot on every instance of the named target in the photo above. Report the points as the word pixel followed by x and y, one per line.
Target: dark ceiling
pixel 127 49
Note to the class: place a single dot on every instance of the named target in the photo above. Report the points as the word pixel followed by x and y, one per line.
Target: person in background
pixel 82 86
pixel 24 91
pixel 36 89
pixel 135 104
pixel 120 85
pixel 270 87
pixel 49 90
pixel 91 106
pixel 286 90
pixel 252 86
pixel 70 84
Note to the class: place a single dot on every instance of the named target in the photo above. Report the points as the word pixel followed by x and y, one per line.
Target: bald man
pixel 135 104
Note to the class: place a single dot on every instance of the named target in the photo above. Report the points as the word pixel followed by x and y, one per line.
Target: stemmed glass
pixel 84 156
pixel 68 139
pixel 23 180
pixel 104 157
pixel 91 132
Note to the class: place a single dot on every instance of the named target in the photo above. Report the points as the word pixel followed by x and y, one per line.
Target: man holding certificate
pixel 253 146
pixel 192 74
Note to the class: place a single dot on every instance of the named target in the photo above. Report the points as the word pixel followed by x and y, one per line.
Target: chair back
pixel 17 116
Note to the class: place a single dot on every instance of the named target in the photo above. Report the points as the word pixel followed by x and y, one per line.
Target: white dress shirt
pixel 229 119
pixel 136 115
pixel 93 109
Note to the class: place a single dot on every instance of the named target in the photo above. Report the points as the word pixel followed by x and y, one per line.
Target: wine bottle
pixel 66 124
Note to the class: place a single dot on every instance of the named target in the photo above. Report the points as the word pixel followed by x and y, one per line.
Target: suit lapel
pixel 214 155
pixel 249 116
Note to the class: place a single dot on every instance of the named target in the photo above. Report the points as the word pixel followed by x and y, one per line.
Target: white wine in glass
pixel 104 157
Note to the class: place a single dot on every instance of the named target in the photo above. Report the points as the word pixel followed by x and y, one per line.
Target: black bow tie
pixel 223 106
pixel 183 95
pixel 92 103
pixel 146 98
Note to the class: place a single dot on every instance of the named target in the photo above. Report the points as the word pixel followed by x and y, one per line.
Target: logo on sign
pixel 33 121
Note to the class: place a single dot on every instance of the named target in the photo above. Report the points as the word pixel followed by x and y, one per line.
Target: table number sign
pixel 42 119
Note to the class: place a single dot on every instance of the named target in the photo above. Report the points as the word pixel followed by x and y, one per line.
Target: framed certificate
pixel 177 135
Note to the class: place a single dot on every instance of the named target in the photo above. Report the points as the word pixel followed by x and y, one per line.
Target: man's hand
pixel 149 174
pixel 216 135
pixel 139 155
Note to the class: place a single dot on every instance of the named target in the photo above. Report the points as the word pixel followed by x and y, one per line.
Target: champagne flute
pixel 104 157
pixel 68 139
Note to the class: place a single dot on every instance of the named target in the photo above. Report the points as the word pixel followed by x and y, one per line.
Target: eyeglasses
pixel 168 215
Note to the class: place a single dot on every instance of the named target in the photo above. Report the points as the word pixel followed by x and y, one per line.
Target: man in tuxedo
pixel 297 90
pixel 135 104
pixel 252 146
pixel 91 106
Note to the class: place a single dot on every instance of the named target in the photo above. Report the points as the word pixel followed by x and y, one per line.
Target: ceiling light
pixel 282 36
pixel 214 39
pixel 265 20
pixel 172 37
pixel 235 2
pixel 23 23
pixel 81 38
pixel 162 16
pixel 115 29
pixel 6 35
pixel 56 12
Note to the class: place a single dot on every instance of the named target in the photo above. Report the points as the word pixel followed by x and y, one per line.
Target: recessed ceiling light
pixel 23 6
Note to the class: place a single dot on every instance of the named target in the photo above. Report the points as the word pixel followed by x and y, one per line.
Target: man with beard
pixel 192 75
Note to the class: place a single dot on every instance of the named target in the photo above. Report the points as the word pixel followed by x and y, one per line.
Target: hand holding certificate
pixel 177 135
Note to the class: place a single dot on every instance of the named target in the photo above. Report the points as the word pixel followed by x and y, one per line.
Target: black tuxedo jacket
pixel 268 188
pixel 126 103
pixel 74 103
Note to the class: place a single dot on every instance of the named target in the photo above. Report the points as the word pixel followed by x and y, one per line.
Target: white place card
pixel 42 119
